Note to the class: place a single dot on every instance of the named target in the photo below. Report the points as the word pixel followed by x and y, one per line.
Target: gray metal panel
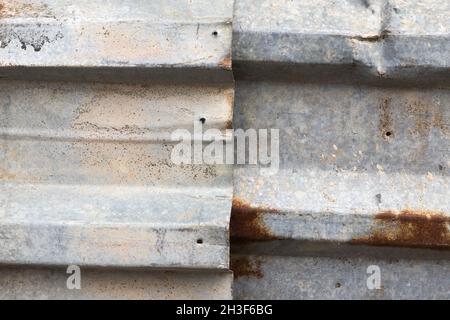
pixel 85 170
pixel 50 283
pixel 310 277
pixel 359 92
pixel 126 41
pixel 377 41
pixel 350 158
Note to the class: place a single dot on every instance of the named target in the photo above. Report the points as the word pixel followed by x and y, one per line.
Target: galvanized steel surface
pixel 86 176
pixel 50 283
pixel 358 89
pixel 359 92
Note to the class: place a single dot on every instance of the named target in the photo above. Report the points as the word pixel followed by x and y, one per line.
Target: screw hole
pixel 199 241
pixel 338 285
pixel 215 33
pixel 203 120
pixel 388 134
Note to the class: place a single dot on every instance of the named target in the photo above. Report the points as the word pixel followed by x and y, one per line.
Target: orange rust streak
pixel 246 267
pixel 247 222
pixel 409 228
pixel 225 63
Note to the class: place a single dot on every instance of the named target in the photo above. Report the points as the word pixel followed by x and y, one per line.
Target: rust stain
pixel 226 63
pixel 373 38
pixel 246 267
pixel 409 228
pixel 229 124
pixel 386 122
pixel 247 222
pixel 427 116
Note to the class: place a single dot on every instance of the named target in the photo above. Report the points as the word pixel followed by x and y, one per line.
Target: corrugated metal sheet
pixel 86 176
pixel 359 92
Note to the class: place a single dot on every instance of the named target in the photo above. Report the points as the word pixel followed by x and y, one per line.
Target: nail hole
pixel 388 134
pixel 338 285
pixel 200 241
pixel 203 120
pixel 215 33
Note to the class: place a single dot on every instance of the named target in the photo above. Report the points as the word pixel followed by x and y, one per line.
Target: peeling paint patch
pixel 247 222
pixel 409 228
pixel 244 266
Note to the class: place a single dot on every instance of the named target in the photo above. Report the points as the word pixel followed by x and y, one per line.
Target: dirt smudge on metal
pixel 17 8
pixel 409 228
pixel 427 116
pixel 243 266
pixel 247 222
pixel 386 122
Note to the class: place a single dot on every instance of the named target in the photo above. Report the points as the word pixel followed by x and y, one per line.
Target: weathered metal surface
pixel 50 283
pixel 359 92
pixel 126 41
pixel 310 277
pixel 378 41
pixel 86 176
pixel 352 158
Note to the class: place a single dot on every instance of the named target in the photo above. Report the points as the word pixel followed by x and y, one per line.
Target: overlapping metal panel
pixel 86 175
pixel 360 93
pixel 92 91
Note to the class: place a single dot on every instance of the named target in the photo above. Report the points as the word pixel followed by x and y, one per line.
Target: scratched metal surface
pixel 85 171
pixel 359 92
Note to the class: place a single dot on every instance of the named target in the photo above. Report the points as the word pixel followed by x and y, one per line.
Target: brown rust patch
pixel 246 267
pixel 226 63
pixel 247 222
pixel 409 228
pixel 386 122
pixel 17 8
pixel 229 94
pixel 427 116
pixel 229 124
